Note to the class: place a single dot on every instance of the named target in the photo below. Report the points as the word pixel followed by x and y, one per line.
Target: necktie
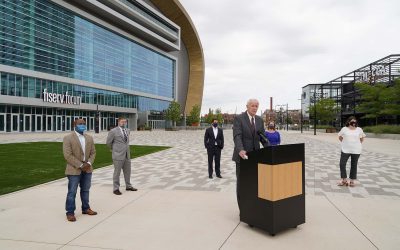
pixel 253 127
pixel 125 136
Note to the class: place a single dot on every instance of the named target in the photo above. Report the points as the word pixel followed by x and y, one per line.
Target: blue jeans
pixel 84 181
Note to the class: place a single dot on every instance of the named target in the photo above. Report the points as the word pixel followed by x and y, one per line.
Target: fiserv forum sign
pixel 61 98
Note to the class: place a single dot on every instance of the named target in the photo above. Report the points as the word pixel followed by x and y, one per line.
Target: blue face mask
pixel 80 128
pixel 215 124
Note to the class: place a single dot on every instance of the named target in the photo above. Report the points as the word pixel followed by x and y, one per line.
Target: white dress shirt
pixel 82 140
pixel 254 118
pixel 124 133
pixel 215 130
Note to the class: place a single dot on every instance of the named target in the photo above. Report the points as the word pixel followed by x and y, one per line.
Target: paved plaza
pixel 178 207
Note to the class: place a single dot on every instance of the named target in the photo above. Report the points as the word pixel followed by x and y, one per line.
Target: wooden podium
pixel 272 193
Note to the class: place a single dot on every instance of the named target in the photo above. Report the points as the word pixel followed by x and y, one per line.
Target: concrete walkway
pixel 178 207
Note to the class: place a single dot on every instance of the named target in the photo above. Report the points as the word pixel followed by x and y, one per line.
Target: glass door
pixel 39 123
pixel 58 123
pixel 68 123
pixel 14 122
pixel 104 124
pixel 33 121
pixel 91 123
pixel 49 123
pixel 2 123
pixel 27 123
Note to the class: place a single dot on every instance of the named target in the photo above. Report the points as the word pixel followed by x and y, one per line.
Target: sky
pixel 271 48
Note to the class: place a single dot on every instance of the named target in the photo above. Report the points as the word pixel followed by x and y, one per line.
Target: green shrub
pixel 323 126
pixel 383 129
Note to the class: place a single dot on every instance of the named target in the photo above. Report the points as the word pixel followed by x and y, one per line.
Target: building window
pixel 42 36
pixel 34 88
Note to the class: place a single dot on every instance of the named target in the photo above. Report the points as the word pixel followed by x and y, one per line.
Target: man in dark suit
pixel 245 136
pixel 214 143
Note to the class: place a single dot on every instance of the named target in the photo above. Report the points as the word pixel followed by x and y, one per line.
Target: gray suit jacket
pixel 243 137
pixel 116 142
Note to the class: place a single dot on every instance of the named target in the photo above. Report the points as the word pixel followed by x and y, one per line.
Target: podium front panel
pixel 281 181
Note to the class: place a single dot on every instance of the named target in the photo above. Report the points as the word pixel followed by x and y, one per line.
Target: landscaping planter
pixel 330 130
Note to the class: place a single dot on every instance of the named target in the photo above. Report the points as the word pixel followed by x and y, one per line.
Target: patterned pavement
pixel 184 166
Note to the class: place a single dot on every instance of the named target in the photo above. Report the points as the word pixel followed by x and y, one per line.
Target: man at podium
pixel 248 132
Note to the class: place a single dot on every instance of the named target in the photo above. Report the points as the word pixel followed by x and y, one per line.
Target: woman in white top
pixel 351 138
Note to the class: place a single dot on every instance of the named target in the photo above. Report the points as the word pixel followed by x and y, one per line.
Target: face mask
pixel 215 124
pixel 271 126
pixel 80 128
pixel 123 126
pixel 354 124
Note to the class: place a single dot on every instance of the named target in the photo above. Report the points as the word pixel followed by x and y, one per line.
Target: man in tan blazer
pixel 118 142
pixel 79 152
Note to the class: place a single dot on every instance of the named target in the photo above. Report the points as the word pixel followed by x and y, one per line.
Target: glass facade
pixel 18 118
pixel 144 12
pixel 24 86
pixel 42 36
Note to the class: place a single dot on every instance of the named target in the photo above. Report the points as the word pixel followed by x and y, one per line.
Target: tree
pixel 326 110
pixel 173 112
pixel 374 98
pixel 289 120
pixel 391 97
pixel 210 116
pixel 218 116
pixel 194 116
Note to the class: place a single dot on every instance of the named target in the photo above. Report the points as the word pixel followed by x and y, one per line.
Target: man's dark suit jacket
pixel 209 138
pixel 243 136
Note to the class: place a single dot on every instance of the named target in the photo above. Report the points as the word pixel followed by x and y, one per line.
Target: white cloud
pixel 263 48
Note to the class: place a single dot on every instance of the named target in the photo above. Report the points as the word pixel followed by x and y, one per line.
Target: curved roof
pixel 174 10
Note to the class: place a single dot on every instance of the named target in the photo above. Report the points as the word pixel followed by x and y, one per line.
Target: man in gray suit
pixel 118 142
pixel 246 129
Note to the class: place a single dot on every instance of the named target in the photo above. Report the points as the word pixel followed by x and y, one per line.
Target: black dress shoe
pixel 117 192
pixel 131 189
pixel 210 176
pixel 219 176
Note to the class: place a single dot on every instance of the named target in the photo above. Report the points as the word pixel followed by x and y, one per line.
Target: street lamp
pixel 314 100
pixel 287 117
pixel 301 113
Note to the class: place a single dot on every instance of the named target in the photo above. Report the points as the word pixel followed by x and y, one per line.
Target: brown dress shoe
pixel 89 212
pixel 71 217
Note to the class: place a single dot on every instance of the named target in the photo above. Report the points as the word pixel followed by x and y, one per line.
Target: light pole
pixel 276 114
pixel 301 114
pixel 287 116
pixel 315 110
pixel 97 120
